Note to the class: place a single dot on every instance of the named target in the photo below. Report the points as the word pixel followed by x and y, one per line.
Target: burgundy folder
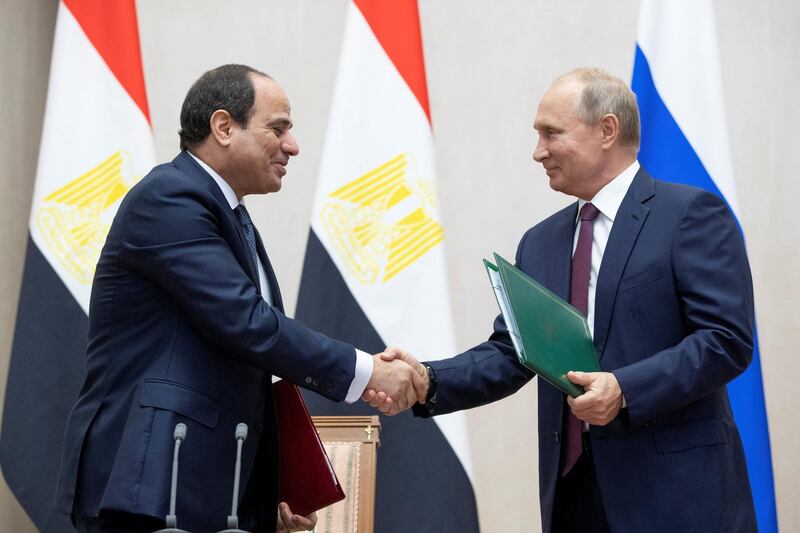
pixel 307 480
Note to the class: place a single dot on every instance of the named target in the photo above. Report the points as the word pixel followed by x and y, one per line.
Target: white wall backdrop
pixel 487 63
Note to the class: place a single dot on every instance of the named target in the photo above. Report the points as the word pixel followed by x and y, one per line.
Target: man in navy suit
pixel 186 324
pixel 662 274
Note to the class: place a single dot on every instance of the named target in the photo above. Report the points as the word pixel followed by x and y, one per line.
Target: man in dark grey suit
pixel 186 324
pixel 661 272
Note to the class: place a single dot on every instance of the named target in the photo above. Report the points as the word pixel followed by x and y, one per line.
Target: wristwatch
pixel 430 399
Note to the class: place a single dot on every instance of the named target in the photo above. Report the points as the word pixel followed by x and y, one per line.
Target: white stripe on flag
pixel 375 118
pixel 89 117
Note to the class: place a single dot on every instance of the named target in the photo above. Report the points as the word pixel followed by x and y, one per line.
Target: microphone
pixel 172 521
pixel 233 518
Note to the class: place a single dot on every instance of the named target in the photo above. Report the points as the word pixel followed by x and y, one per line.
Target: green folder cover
pixel 551 337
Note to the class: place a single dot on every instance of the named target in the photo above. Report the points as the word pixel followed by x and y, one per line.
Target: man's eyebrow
pixel 544 125
pixel 280 121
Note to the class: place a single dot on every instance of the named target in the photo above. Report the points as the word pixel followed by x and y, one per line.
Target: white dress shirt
pixel 607 201
pixel 363 370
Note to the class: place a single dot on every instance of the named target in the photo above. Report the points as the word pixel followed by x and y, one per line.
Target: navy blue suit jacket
pixel 179 332
pixel 674 322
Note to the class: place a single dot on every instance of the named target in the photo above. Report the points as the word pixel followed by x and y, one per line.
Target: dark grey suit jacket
pixel 179 332
pixel 674 322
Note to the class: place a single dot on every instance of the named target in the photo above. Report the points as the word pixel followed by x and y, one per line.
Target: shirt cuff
pixel 624 401
pixel 361 379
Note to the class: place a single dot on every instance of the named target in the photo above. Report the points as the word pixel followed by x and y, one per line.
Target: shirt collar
pixel 609 198
pixel 226 189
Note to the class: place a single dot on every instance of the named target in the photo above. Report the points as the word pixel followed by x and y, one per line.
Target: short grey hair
pixel 602 94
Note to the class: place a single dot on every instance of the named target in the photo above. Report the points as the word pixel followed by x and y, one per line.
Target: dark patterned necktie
pixel 249 233
pixel 579 298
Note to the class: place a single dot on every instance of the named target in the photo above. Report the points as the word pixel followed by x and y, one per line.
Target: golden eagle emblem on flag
pixel 70 218
pixel 379 223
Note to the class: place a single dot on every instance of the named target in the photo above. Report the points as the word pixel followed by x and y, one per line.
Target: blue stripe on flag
pixel 671 157
pixel 667 155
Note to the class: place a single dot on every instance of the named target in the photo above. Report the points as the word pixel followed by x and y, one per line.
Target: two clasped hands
pixel 399 381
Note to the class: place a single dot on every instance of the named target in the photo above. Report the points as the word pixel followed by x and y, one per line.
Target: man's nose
pixel 540 152
pixel 290 145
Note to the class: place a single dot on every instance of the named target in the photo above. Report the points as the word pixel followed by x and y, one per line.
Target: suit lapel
pixel 627 225
pixel 275 291
pixel 252 269
pixel 186 163
pixel 556 265
pixel 243 251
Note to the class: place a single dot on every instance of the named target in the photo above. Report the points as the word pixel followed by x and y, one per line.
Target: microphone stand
pixel 172 520
pixel 233 518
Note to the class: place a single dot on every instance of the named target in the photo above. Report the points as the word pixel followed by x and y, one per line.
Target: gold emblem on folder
pixel 379 222
pixel 71 217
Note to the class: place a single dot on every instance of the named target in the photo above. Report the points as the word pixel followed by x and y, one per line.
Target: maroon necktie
pixel 579 298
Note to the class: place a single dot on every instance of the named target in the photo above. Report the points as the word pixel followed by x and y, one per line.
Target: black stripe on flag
pixel 48 366
pixel 421 484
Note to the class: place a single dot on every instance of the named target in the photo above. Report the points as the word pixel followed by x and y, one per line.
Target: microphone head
pixel 180 431
pixel 241 431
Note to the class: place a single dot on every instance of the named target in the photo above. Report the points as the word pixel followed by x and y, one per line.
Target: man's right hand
pixel 396 383
pixel 408 382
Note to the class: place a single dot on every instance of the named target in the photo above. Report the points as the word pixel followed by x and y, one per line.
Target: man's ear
pixel 609 130
pixel 221 127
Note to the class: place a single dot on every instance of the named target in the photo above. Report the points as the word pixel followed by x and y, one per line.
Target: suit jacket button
pixel 556 437
pixel 260 426
pixel 316 383
pixel 308 379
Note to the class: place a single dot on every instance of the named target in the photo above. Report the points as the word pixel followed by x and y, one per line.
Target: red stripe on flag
pixel 112 29
pixel 396 25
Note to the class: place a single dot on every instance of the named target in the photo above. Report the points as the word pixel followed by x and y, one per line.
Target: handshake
pixel 398 381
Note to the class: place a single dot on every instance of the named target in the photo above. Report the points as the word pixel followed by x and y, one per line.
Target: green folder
pixel 550 336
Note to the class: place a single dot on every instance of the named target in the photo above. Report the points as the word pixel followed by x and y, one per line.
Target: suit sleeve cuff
pixel 361 379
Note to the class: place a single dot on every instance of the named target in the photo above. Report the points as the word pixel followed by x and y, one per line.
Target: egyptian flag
pixel 96 144
pixel 374 272
pixel 676 77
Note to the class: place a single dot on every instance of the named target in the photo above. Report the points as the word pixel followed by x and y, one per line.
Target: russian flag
pixel 96 144
pixel 676 77
pixel 374 271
